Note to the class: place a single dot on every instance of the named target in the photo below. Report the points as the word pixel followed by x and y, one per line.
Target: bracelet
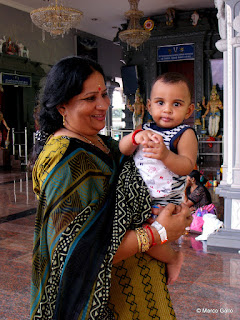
pixel 152 235
pixel 133 137
pixel 143 240
pixel 161 231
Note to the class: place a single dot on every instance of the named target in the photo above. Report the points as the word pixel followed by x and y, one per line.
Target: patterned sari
pixel 77 232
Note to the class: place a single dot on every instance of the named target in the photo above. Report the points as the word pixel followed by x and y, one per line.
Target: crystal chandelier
pixel 135 35
pixel 56 18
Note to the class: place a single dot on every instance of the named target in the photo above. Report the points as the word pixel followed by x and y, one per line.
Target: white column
pixel 230 100
pixel 236 44
pixel 221 45
pixel 225 119
pixel 229 236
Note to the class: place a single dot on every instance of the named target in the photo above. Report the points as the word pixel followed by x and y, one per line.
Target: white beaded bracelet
pixel 161 231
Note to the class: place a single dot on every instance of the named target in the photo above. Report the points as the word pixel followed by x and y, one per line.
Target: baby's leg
pixel 174 268
pixel 174 260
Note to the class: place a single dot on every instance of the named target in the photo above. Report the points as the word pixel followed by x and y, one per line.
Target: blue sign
pixel 175 53
pixel 15 80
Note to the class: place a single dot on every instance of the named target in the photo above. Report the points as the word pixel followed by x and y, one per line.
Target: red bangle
pixel 153 240
pixel 133 137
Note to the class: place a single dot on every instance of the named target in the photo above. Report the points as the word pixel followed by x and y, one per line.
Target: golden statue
pixel 213 108
pixel 198 110
pixel 138 109
pixel 4 137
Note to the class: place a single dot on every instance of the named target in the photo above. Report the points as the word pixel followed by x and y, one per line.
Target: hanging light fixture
pixel 56 18
pixel 135 35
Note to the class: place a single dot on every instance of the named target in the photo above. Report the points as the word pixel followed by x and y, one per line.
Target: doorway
pixel 12 107
pixel 185 67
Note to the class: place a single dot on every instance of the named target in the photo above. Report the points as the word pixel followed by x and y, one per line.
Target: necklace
pixel 107 150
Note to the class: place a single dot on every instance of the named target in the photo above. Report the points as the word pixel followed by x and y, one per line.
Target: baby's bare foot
pixel 173 269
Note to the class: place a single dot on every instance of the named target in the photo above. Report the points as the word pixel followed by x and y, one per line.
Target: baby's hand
pixel 156 150
pixel 156 210
pixel 146 136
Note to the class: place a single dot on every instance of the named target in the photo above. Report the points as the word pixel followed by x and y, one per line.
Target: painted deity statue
pixel 198 112
pixel 4 132
pixel 213 108
pixel 138 109
pixel 195 18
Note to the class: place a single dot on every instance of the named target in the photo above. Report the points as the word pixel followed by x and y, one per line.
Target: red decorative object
pixel 210 139
pixel 148 24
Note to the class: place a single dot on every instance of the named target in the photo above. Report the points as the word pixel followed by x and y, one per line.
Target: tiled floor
pixel 208 286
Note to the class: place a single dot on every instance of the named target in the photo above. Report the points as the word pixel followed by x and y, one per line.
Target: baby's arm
pixel 126 145
pixel 181 163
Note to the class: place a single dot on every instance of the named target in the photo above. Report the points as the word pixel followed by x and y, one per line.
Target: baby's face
pixel 170 103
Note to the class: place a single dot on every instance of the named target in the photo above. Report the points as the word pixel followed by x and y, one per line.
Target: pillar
pixel 229 188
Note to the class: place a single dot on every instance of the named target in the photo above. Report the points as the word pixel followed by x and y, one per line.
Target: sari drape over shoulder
pixel 82 216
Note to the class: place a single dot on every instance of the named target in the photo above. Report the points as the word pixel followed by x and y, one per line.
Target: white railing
pixel 21 147
pixel 119 133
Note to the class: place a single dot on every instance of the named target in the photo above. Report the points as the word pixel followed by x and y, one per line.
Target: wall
pixel 18 25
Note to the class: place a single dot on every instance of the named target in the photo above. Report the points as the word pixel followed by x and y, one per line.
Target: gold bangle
pixel 139 241
pixel 143 239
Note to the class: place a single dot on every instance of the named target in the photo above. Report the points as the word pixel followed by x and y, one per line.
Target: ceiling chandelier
pixel 135 35
pixel 56 18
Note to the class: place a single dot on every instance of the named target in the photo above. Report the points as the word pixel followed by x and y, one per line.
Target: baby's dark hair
pixel 175 77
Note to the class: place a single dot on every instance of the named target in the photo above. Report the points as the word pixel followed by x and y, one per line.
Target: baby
pixel 165 152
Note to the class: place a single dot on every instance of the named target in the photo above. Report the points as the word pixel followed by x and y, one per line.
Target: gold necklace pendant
pixel 107 150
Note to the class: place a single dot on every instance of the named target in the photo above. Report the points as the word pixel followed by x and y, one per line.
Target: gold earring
pixel 64 120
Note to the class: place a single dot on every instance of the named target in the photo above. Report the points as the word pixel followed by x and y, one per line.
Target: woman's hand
pixel 175 218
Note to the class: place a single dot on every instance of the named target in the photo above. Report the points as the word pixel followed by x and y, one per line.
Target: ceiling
pixel 103 17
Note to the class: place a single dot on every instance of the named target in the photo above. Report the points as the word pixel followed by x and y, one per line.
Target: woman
pixel 78 234
pixel 196 194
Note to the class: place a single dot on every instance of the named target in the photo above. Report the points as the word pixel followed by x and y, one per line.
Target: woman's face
pixel 190 181
pixel 86 112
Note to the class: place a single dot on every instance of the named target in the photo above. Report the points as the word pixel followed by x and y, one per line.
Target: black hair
pixel 196 175
pixel 63 82
pixel 175 77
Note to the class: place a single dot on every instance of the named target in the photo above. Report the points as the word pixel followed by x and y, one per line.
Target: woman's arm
pixel 189 203
pixel 174 218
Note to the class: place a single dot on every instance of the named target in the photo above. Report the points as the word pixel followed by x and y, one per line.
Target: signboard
pixel 15 79
pixel 175 53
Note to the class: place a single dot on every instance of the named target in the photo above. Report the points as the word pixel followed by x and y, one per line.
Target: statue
pixel 4 132
pixel 170 16
pixel 138 109
pixel 23 51
pixel 10 47
pixel 222 25
pixel 195 18
pixel 214 105
pixel 1 43
pixel 198 114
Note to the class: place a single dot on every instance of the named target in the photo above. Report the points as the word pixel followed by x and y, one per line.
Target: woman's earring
pixel 64 120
